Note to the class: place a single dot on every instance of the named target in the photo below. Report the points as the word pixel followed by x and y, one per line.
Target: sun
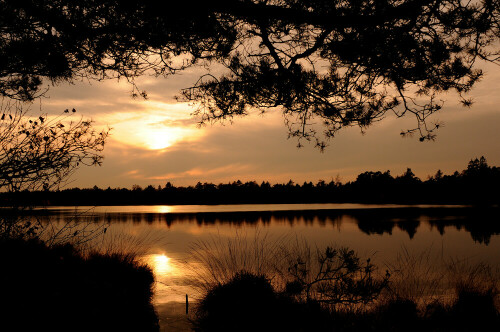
pixel 161 138
pixel 161 259
pixel 153 130
pixel 161 263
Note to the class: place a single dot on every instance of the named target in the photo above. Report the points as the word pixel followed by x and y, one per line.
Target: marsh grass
pixel 118 241
pixel 91 234
pixel 427 278
pixel 420 277
pixel 242 279
pixel 423 278
pixel 476 287
pixel 218 260
pixel 476 277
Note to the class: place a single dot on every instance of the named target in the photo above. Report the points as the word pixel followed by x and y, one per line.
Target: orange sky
pixel 156 140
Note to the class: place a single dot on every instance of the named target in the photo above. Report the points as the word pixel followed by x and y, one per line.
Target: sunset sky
pixel 157 140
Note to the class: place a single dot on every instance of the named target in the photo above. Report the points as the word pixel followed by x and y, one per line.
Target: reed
pixel 420 277
pixel 218 260
pixel 244 283
pixel 332 277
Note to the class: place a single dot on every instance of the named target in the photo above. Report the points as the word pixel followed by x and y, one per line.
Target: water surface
pixel 166 234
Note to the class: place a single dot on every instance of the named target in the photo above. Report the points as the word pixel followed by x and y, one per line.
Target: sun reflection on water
pixel 169 275
pixel 164 209
pixel 161 264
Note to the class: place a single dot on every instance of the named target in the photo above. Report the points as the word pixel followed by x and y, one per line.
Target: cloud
pixel 201 172
pixel 152 128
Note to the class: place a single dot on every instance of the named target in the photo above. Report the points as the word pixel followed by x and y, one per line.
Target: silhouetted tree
pixel 349 62
pixel 374 178
pixel 334 277
pixel 477 168
pixel 408 178
pixel 481 180
pixel 41 152
pixel 343 63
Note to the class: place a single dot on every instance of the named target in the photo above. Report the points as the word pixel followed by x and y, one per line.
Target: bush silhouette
pixel 475 310
pixel 399 315
pixel 59 289
pixel 248 302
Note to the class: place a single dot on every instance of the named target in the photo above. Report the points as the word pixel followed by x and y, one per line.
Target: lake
pixel 166 235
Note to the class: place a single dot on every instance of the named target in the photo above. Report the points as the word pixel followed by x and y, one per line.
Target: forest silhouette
pixel 477 184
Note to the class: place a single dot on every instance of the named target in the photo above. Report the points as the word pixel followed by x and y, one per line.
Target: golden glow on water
pixel 165 209
pixel 170 278
pixel 161 264
pixel 235 207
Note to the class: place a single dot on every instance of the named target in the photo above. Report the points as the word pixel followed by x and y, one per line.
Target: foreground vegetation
pixel 262 285
pixel 477 184
pixel 61 288
pixel 248 302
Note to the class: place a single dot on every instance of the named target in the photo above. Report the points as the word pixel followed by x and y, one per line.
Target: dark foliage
pixel 341 63
pixel 399 315
pixel 475 310
pixel 38 152
pixel 249 303
pixel 62 40
pixel 58 289
pixel 334 277
pixel 478 184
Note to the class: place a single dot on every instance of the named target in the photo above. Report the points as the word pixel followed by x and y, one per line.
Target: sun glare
pixel 159 139
pixel 153 130
pixel 164 209
pixel 161 263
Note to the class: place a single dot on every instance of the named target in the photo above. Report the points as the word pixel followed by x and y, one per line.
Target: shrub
pixel 59 289
pixel 248 302
pixel 333 277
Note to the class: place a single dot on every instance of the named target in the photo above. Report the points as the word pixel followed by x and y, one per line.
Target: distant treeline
pixel 479 183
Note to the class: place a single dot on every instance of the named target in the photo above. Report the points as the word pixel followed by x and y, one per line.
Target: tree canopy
pixel 332 62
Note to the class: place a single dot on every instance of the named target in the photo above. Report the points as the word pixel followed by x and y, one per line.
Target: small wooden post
pixel 187 304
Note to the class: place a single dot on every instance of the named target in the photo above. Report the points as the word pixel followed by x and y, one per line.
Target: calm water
pixel 165 235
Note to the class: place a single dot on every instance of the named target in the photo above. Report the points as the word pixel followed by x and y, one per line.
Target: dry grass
pixel 218 260
pixel 416 276
pixel 120 242
pixel 479 278
pixel 426 278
